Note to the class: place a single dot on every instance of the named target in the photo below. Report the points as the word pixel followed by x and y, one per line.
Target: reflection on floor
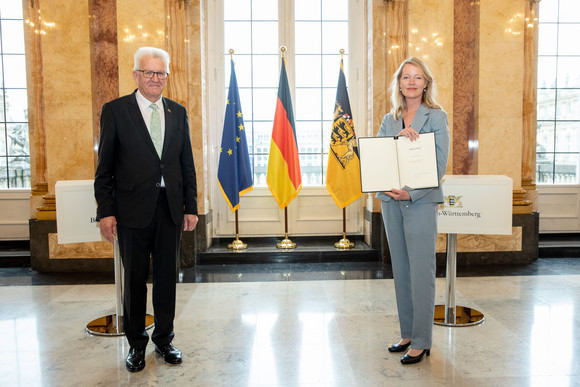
pixel 298 325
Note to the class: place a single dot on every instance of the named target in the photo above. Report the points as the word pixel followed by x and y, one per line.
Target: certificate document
pixel 397 162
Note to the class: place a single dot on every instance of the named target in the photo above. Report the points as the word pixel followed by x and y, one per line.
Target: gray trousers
pixel 412 234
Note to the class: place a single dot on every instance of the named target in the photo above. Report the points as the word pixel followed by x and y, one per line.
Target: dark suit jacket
pixel 128 176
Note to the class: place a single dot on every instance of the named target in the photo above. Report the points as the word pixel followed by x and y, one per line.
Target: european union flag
pixel 234 170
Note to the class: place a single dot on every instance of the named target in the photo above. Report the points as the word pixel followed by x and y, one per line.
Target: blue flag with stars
pixel 234 170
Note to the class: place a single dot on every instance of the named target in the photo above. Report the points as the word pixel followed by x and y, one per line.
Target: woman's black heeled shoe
pixel 415 359
pixel 399 347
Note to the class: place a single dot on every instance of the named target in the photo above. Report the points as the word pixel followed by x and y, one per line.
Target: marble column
pixel 186 33
pixel 34 74
pixel 104 60
pixel 397 37
pixel 529 203
pixel 198 73
pixel 378 75
pixel 390 47
pixel 182 41
pixel 465 86
pixel 175 37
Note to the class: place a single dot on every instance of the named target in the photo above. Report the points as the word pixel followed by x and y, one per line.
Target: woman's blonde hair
pixel 397 98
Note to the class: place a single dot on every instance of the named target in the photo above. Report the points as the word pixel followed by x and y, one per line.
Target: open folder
pixel 397 162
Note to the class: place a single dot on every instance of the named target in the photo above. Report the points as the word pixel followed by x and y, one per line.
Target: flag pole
pixel 344 243
pixel 237 244
pixel 286 243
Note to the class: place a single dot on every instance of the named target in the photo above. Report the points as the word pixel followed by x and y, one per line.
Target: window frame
pixel 301 223
pixel 5 154
pixel 543 105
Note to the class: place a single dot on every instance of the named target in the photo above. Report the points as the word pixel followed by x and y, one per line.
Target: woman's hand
pixel 399 194
pixel 410 133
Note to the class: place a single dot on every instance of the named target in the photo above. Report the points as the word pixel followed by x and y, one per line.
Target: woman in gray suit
pixel 410 216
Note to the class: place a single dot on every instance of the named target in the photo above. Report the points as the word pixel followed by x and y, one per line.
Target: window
pixel 315 35
pixel 558 109
pixel 14 149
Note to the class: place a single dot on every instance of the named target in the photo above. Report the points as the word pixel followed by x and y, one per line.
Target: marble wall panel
pixel 69 146
pixel 503 20
pixel 78 250
pixel 397 35
pixel 104 61
pixel 379 78
pixel 380 75
pixel 34 76
pixel 431 39
pixel 466 86
pixel 484 243
pixel 139 24
pixel 501 87
pixel 67 81
pixel 196 49
pixel 67 91
pixel 500 147
pixel 176 27
pixel 501 80
pixel 64 22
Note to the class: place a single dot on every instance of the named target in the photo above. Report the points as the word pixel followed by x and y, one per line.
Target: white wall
pixel 14 214
pixel 559 208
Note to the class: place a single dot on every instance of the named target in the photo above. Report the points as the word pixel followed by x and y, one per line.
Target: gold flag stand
pixel 344 243
pixel 286 243
pixel 237 244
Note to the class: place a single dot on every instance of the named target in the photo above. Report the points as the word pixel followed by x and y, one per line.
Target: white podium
pixel 480 204
pixel 76 212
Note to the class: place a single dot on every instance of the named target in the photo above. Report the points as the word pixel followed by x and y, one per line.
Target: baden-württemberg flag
pixel 234 170
pixel 283 177
pixel 343 170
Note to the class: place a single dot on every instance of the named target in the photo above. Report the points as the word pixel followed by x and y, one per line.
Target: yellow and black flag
pixel 343 170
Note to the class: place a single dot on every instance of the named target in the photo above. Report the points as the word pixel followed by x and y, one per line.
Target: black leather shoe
pixel 170 354
pixel 399 347
pixel 135 360
pixel 415 359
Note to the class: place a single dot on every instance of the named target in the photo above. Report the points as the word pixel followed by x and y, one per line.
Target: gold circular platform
pixel 112 326
pixel 463 316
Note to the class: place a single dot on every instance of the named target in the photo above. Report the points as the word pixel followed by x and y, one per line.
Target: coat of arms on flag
pixel 343 170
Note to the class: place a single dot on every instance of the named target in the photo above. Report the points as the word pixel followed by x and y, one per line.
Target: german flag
pixel 283 177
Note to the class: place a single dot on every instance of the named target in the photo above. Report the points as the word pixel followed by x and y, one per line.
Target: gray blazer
pixel 425 120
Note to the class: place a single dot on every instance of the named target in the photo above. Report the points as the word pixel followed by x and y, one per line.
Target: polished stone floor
pixel 298 325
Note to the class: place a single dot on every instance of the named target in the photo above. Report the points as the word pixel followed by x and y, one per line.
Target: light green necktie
pixel 155 127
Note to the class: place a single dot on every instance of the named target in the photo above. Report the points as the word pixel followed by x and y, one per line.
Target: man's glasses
pixel 149 74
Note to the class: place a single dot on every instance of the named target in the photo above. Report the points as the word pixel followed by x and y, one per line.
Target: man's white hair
pixel 151 51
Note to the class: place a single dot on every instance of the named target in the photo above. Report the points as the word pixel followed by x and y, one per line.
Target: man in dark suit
pixel 146 192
